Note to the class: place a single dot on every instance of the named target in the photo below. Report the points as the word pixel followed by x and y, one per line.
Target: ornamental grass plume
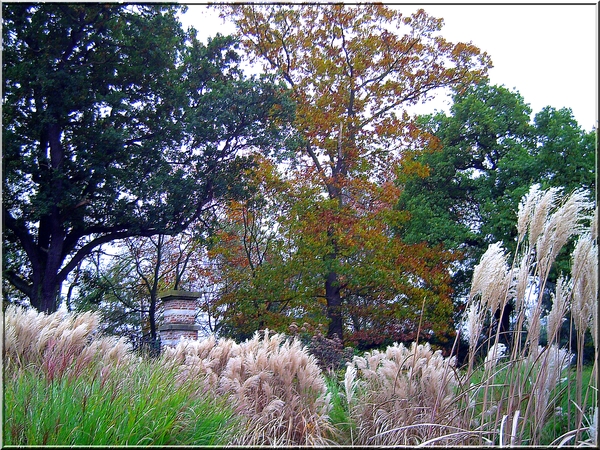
pixel 585 284
pixel 526 210
pixel 546 372
pixel 402 396
pixel 278 386
pixel 542 204
pixel 273 383
pixel 566 221
pixel 206 358
pixel 491 278
pixel 554 221
pixel 513 403
pixel 59 343
pixel 473 323
pixel 560 306
pixel 496 352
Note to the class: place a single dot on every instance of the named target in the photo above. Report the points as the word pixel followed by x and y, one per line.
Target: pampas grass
pixel 403 396
pixel 67 385
pixel 271 381
pixel 278 386
pixel 513 398
pixel 60 343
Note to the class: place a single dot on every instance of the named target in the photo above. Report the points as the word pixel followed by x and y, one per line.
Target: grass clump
pixel 403 396
pixel 68 387
pixel 273 383
pixel 521 385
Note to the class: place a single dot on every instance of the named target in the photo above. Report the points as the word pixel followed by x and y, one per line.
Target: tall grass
pixel 127 408
pixel 403 396
pixel 272 381
pixel 512 390
pixel 65 385
pixel 516 392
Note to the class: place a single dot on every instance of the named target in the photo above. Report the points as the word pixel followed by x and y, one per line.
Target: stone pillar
pixel 180 309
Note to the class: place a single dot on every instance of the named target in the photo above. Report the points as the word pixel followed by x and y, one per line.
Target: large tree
pixel 491 153
pixel 263 279
pixel 116 123
pixel 353 71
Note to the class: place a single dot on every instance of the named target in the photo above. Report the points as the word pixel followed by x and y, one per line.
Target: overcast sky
pixel 547 52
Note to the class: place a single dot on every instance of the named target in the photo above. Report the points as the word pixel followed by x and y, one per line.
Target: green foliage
pixel 345 428
pixel 141 406
pixel 490 155
pixel 353 71
pixel 116 123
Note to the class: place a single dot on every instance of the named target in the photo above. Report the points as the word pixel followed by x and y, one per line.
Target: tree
pixel 264 282
pixel 352 73
pixel 491 153
pixel 116 123
pixel 565 153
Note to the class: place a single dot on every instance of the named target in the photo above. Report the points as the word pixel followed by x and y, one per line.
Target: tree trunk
pixel 334 306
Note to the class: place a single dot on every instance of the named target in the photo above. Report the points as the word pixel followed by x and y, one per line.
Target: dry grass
pixel 403 396
pixel 59 344
pixel 272 381
pixel 515 396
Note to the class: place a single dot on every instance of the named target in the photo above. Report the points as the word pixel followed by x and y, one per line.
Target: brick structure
pixel 180 309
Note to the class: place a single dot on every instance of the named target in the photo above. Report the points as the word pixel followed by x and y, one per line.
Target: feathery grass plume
pixel 584 311
pixel 60 343
pixel 50 342
pixel 521 277
pixel 559 226
pixel 26 336
pixel 566 221
pixel 491 278
pixel 496 352
pixel 206 358
pixel 104 352
pixel 473 323
pixel 585 290
pixel 543 203
pixel 278 386
pixel 522 393
pixel 546 371
pixel 409 387
pixel 526 210
pixel 560 307
pixel 350 384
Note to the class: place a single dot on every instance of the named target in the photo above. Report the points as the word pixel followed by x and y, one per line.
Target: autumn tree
pixel 353 72
pixel 263 281
pixel 116 123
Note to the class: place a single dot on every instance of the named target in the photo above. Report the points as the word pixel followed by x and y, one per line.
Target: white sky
pixel 547 52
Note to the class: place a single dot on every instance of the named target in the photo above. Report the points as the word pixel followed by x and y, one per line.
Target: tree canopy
pixel 116 123
pixel 491 151
pixel 353 71
pixel 309 193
